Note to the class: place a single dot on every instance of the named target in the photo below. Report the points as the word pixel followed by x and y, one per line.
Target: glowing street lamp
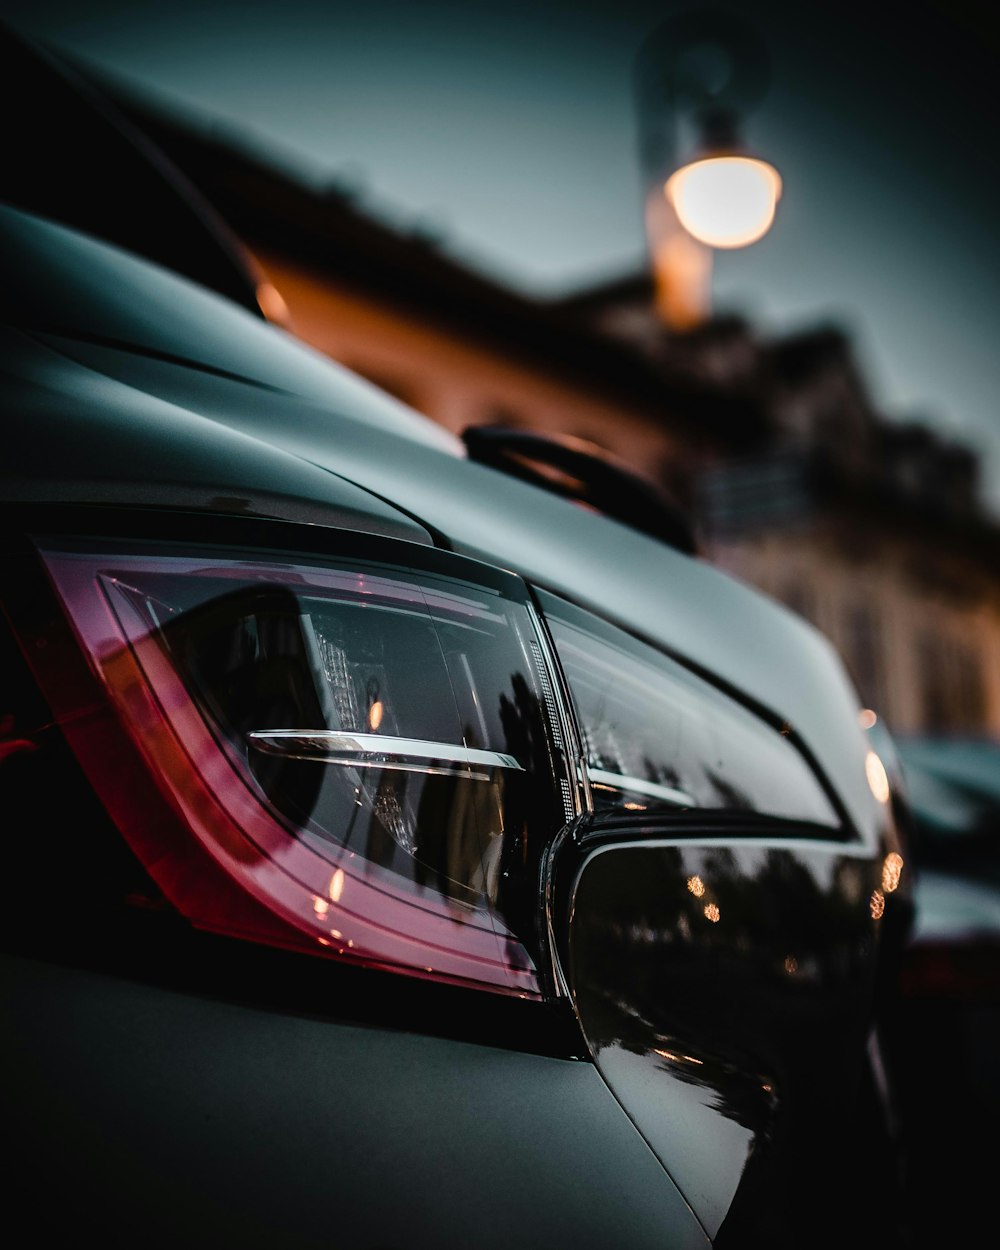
pixel 697 73
pixel 725 201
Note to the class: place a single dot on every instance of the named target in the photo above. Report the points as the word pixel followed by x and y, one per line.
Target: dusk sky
pixel 510 130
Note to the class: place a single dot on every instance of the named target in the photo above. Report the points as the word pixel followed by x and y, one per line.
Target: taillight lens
pixel 660 739
pixel 360 761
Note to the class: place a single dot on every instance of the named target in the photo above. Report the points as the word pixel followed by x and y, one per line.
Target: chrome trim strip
pixel 559 977
pixel 575 778
pixel 736 842
pixel 573 783
pixel 636 785
pixel 361 750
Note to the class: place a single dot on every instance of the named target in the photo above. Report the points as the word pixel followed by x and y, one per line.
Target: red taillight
pixel 354 761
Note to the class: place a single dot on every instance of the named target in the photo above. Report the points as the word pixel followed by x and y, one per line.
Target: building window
pixel 798 595
pixel 863 653
pixel 952 680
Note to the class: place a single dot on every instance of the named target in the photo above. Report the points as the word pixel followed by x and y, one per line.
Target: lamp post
pixel 696 75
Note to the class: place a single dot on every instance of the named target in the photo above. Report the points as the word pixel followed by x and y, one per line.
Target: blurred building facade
pixel 870 527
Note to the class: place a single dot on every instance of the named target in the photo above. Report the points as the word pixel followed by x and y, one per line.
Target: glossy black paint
pixel 724 987
pixel 166 1118
pixel 71 155
pixel 171 1088
pixel 140 388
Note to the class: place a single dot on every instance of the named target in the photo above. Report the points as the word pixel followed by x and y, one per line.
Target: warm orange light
pixel 682 270
pixel 320 906
pixel 877 904
pixel 791 965
pixel 725 201
pixel 891 869
pixel 375 714
pixel 675 1058
pixel 878 779
pixel 337 885
pixel 712 912
pixel 696 886
pixel 867 719
pixel 272 303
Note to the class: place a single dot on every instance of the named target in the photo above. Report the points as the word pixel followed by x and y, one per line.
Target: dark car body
pixel 681 1049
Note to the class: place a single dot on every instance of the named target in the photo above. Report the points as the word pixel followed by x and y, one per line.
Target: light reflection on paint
pixel 867 719
pixel 337 885
pixel 272 303
pixel 673 1057
pixel 892 867
pixel 320 906
pixel 696 886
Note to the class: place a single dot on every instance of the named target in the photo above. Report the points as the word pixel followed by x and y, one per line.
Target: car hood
pixel 130 384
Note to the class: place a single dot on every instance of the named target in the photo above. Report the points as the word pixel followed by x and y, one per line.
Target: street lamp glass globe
pixel 725 201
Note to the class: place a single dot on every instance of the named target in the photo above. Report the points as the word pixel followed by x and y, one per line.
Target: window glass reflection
pixel 399 721
pixel 656 737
